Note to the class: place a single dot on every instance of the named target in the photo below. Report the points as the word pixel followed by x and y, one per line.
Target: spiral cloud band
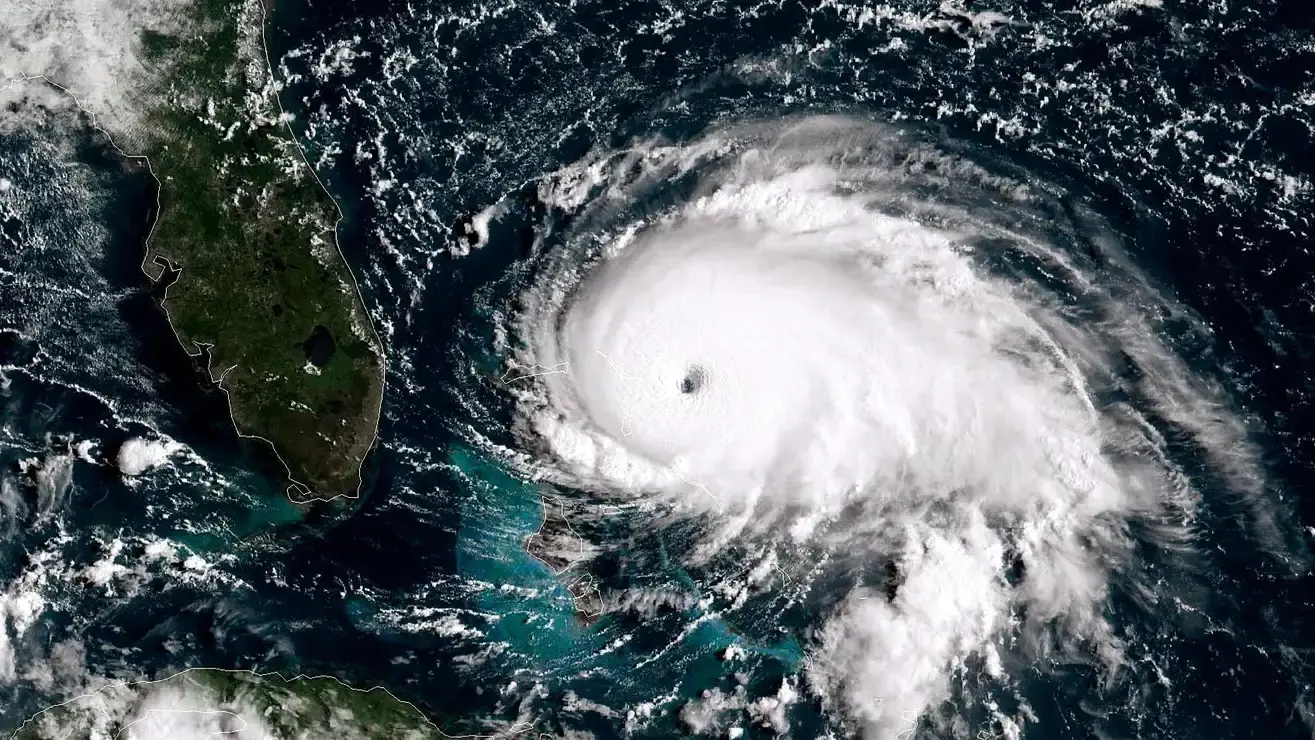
pixel 832 335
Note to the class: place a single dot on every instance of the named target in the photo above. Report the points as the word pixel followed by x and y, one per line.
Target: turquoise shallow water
pixel 535 628
pixel 1186 124
pixel 534 612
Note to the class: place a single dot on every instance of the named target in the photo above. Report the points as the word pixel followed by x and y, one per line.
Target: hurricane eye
pixel 695 378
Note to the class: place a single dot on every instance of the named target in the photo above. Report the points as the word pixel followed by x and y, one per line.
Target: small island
pixel 557 545
pixel 204 701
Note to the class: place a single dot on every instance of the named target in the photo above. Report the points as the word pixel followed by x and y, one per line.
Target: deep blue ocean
pixel 1190 125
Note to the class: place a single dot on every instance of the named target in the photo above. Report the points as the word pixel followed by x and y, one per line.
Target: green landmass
pixel 246 232
pixel 206 702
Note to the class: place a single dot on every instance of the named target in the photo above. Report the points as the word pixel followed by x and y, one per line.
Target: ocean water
pixel 1187 125
pixel 438 128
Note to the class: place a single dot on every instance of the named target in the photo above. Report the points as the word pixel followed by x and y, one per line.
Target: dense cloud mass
pixel 90 48
pixel 851 340
pixel 849 429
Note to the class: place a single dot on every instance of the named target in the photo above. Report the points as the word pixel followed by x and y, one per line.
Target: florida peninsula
pixel 244 240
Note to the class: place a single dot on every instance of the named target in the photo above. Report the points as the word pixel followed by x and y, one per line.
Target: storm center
pixel 695 378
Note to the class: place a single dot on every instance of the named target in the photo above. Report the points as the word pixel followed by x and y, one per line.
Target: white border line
pixel 516 729
pixel 627 428
pixel 294 484
pixel 212 735
pixel 544 498
pixel 584 581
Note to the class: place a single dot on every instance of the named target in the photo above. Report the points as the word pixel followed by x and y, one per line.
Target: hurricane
pixel 851 352
pixel 896 371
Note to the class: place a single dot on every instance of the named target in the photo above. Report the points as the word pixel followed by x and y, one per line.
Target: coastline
pixel 243 248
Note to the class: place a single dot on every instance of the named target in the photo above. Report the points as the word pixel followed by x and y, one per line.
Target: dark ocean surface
pixel 1189 126
pixel 1176 120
